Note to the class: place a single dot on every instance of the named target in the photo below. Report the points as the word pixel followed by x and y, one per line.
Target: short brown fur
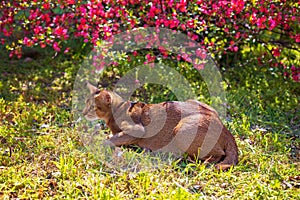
pixel 138 121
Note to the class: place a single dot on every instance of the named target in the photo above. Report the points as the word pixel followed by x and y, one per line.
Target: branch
pixel 284 44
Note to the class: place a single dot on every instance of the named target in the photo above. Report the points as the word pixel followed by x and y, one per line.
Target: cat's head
pixel 98 104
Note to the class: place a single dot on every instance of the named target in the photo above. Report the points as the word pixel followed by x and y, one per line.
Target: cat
pixel 189 127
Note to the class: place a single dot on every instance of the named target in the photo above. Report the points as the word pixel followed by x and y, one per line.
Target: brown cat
pixel 188 127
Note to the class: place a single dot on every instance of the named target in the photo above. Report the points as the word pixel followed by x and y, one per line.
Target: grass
pixel 42 155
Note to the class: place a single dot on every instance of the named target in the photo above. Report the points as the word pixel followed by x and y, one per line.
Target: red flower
pixel 42 44
pixel 46 6
pixel 61 32
pixel 190 23
pixel 70 2
pixel 296 77
pixel 295 73
pixel 135 53
pixel 276 52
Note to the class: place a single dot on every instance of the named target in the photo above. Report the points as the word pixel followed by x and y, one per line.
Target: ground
pixel 42 155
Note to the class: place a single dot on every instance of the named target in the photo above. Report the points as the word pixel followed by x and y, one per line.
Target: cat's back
pixel 186 108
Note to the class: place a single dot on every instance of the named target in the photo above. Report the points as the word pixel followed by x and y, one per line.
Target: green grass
pixel 42 155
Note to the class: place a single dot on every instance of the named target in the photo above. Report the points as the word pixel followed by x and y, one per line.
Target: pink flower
pixel 174 23
pixel 235 48
pixel 150 58
pixel 28 42
pixel 66 50
pixel 7 32
pixel 163 51
pixel 261 22
pixel 56 47
pixel 37 30
pixel 272 24
pixel 11 54
pixel 153 11
pixel 297 38
pixel 166 23
pixel 237 35
pixel 181 6
pixel 199 66
pixel 194 37
pixel 114 63
pixel 186 57
pixel 107 32
pixel 201 53
pixel 293 68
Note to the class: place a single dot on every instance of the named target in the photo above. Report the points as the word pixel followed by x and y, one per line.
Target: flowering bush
pixel 267 31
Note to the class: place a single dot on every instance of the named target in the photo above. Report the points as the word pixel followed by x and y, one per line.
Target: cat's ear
pixel 92 88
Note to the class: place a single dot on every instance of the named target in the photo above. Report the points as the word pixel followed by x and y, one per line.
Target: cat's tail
pixel 231 153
